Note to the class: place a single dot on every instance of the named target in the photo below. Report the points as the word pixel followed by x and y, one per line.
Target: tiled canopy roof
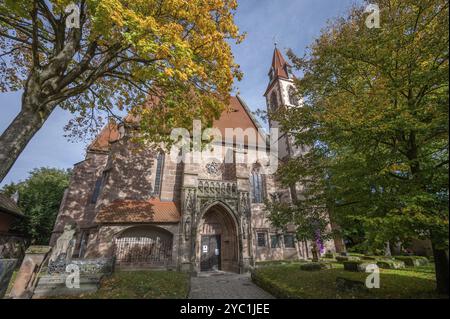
pixel 139 211
pixel 7 205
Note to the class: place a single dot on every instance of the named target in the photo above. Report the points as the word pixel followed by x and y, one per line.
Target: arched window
pixel 273 100
pixel 293 98
pixel 158 174
pixel 258 185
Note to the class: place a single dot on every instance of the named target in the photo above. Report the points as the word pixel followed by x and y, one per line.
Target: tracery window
pixel 158 174
pixel 293 98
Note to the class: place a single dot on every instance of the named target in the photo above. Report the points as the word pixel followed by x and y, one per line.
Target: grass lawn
pixel 288 281
pixel 142 285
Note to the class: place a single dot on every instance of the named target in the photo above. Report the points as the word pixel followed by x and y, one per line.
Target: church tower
pixel 280 93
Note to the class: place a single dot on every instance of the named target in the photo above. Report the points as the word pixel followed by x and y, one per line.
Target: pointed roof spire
pixel 279 65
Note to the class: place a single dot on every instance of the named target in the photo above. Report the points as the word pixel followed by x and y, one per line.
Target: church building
pixel 146 210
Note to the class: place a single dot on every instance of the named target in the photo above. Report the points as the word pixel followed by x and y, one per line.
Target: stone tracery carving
pixel 244 203
pixel 214 168
pixel 190 200
pixel 276 197
pixel 187 228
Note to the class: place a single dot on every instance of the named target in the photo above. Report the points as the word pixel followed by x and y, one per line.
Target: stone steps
pixel 55 285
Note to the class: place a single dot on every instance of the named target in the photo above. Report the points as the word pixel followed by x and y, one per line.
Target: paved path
pixel 222 285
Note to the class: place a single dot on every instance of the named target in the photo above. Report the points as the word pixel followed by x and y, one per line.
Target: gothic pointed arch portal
pixel 218 239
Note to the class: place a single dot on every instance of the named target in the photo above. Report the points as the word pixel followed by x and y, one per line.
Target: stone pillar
pixel 6 270
pixel 189 212
pixel 245 213
pixel 23 285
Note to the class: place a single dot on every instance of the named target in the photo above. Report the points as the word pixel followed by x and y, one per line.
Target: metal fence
pixel 143 251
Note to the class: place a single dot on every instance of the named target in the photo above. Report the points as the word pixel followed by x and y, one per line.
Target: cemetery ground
pixel 137 284
pixel 288 280
pixel 282 279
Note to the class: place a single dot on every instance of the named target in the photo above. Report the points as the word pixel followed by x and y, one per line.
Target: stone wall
pixel 77 205
pixel 130 173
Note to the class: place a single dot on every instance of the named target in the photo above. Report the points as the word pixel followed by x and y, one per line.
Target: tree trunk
pixel 442 270
pixel 16 137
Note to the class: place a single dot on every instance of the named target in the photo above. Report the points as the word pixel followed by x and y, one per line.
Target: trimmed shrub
pixel 330 255
pixel 347 258
pixel 314 266
pixel 356 255
pixel 413 261
pixel 369 258
pixel 390 264
pixel 358 266
pixel 345 284
pixel 272 286
pixel 275 262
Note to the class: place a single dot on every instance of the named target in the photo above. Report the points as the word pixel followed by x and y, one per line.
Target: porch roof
pixel 139 211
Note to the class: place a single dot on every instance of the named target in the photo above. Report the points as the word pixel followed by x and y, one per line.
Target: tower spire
pixel 279 65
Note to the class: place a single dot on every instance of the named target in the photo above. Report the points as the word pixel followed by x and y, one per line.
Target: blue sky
pixel 293 23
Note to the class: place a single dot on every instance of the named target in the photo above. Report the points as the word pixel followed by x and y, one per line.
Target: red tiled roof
pixel 237 115
pixel 108 134
pixel 139 211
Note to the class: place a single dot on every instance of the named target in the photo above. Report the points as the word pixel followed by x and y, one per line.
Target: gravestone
pixel 90 273
pixel 6 270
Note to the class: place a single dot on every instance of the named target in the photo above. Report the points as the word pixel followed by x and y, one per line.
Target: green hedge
pixel 273 287
pixel 347 258
pixel 413 261
pixel 390 264
pixel 356 255
pixel 369 258
pixel 276 262
pixel 358 266
pixel 330 255
pixel 314 266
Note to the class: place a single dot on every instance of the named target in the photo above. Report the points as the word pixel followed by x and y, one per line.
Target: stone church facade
pixel 146 210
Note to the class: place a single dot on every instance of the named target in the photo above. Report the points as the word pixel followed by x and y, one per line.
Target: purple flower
pixel 319 242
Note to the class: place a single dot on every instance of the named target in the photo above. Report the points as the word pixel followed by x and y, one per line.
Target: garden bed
pixel 290 281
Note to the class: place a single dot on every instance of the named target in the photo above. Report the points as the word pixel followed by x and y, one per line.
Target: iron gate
pixel 143 251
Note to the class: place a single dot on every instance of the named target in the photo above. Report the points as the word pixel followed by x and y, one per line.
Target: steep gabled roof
pixel 108 134
pixel 237 115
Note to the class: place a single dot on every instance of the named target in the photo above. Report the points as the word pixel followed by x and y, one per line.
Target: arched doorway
pixel 144 246
pixel 219 241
